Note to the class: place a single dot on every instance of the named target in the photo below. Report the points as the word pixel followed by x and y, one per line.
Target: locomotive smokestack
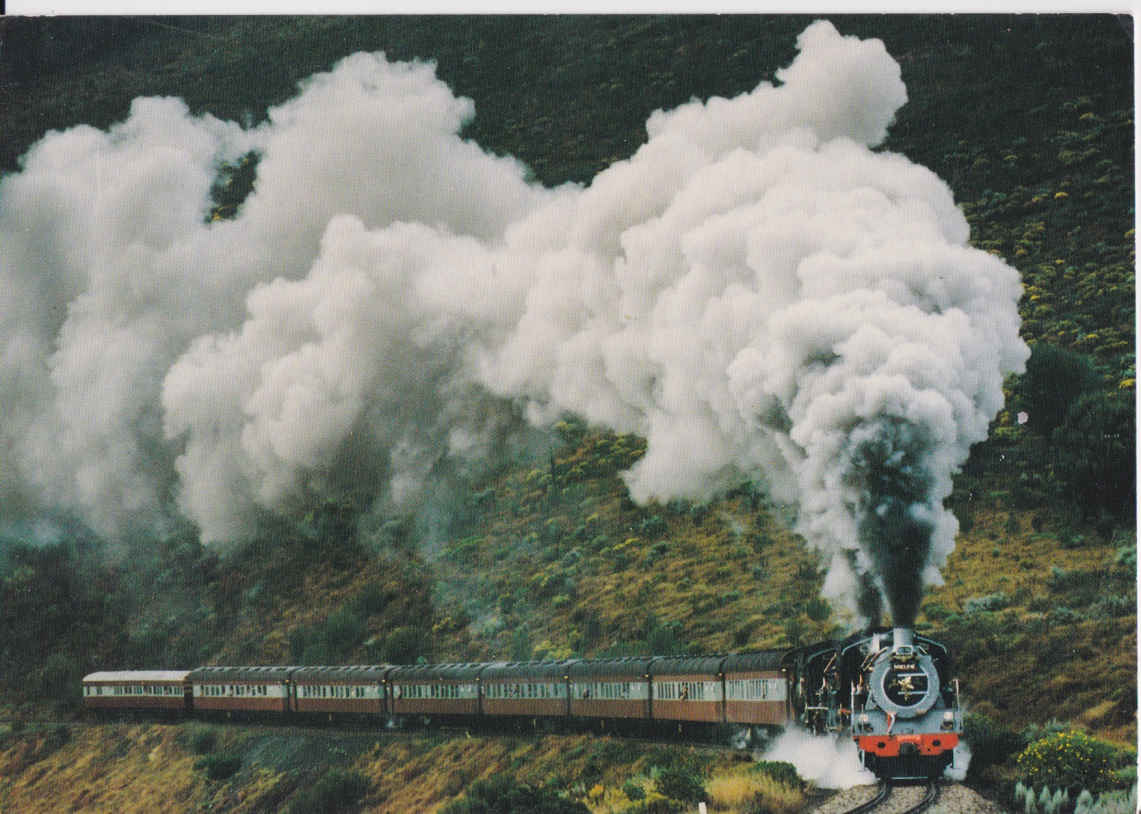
pixel 903 639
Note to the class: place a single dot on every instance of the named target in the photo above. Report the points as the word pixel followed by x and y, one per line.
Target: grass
pixel 149 768
pixel 742 789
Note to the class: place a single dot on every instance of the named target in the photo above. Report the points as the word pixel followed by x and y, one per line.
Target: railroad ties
pixel 884 795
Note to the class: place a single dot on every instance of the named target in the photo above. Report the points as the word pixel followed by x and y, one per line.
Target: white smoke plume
pixel 756 292
pixel 824 760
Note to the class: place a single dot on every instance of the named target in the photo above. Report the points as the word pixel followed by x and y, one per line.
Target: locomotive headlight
pixel 948 720
pixel 864 721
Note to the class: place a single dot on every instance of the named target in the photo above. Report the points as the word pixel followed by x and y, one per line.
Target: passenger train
pixel 889 690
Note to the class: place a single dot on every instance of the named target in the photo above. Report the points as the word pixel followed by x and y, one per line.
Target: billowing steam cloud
pixel 755 292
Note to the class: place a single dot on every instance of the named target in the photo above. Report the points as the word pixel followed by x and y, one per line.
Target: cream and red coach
pixel 756 689
pixel 434 690
pixel 537 689
pixel 241 690
pixel 617 689
pixel 143 690
pixel 688 689
pixel 334 691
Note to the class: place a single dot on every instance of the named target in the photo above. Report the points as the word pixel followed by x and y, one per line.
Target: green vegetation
pixel 503 794
pixel 219 765
pixel 1070 760
pixel 336 791
pixel 681 785
pixel 202 740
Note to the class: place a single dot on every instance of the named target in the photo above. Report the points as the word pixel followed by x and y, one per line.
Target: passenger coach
pixel 449 691
pixel 526 689
pixel 756 689
pixel 336 691
pixel 688 689
pixel 241 691
pixel 143 690
pixel 610 689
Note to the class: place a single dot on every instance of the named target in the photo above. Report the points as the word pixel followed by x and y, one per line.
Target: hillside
pixel 1030 121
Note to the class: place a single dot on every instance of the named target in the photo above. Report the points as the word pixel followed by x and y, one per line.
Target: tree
pixel 1095 448
pixel 1055 378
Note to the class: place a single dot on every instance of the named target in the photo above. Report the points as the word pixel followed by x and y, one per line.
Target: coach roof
pixel 686 665
pixel 261 674
pixel 464 671
pixel 352 672
pixel 147 676
pixel 528 669
pixel 746 662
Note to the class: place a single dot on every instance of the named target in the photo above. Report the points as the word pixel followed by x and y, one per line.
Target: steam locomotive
pixel 889 690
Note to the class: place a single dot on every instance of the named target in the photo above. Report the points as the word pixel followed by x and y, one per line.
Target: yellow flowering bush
pixel 1071 760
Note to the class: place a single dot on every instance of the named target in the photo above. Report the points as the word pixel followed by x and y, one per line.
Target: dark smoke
pixel 894 529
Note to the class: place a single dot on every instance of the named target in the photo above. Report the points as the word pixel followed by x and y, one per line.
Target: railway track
pixel 929 798
pixel 881 797
pixel 884 795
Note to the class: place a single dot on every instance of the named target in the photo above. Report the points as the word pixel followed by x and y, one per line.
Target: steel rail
pixel 881 797
pixel 929 798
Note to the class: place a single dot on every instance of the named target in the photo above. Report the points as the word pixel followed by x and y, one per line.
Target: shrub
pixel 1055 378
pixel 337 790
pixel 219 765
pixel 203 740
pixel 1116 802
pixel 1111 606
pixel 657 805
pixel 991 742
pixel 1072 540
pixel 633 791
pixel 664 639
pixel 936 612
pixel 780 771
pixel 1035 732
pixel 1071 760
pixel 1045 802
pixel 1095 455
pixel 1062 615
pixel 503 794
pixel 402 646
pixel 678 784
pixel 372 599
pixel 990 602
pixel 817 609
pixel 653 526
